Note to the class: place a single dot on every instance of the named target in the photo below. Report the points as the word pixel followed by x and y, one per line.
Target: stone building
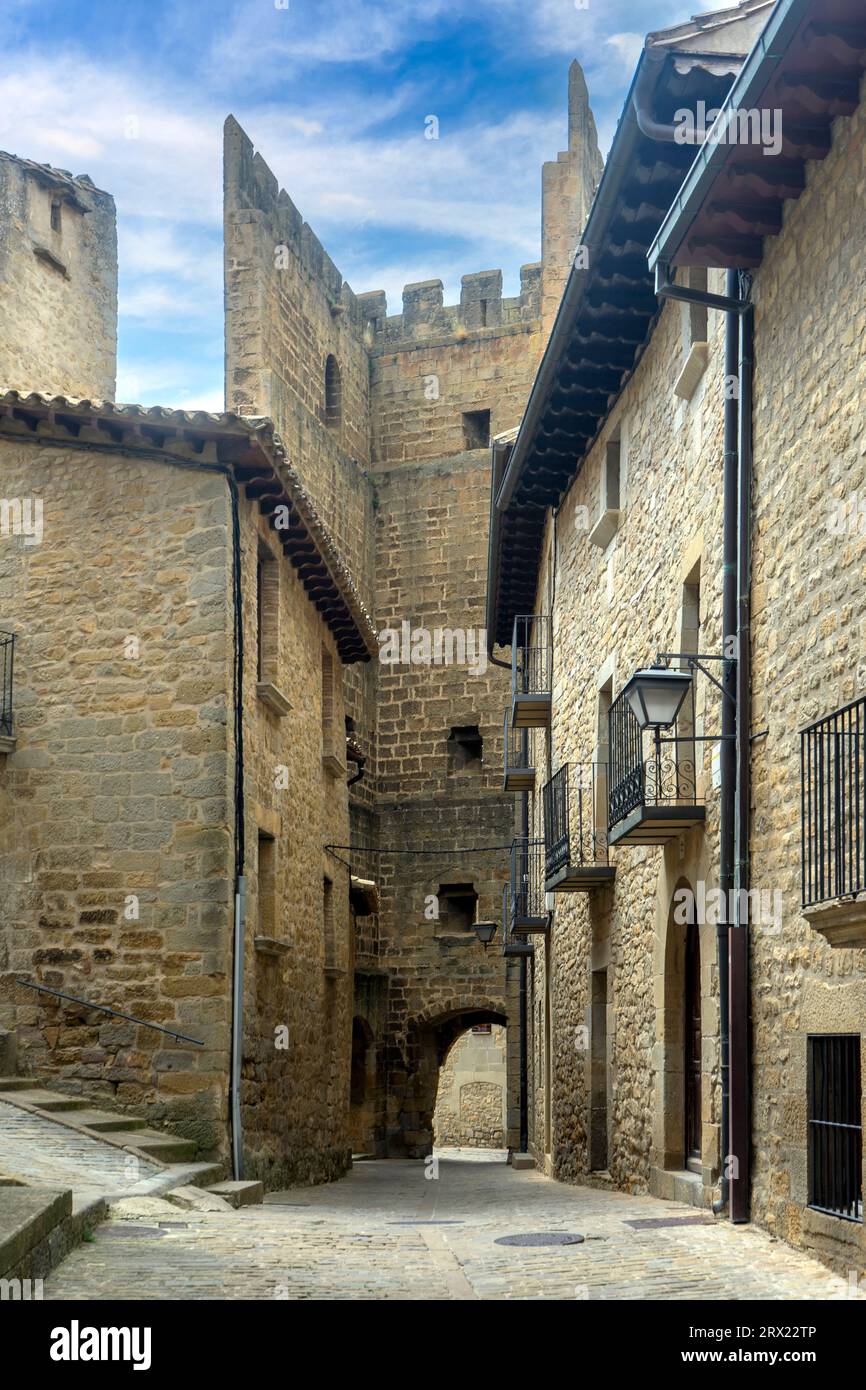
pixel 250 757
pixel 685 492
pixel 471 1109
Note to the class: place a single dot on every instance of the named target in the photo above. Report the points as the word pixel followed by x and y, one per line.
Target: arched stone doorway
pixel 363 1088
pixel 412 1099
pixel 685 1017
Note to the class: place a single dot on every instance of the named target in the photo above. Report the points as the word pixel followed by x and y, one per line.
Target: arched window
pixel 333 392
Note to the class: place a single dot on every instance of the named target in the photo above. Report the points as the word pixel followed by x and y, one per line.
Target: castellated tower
pixel 58 282
pixel 568 186
pixel 388 421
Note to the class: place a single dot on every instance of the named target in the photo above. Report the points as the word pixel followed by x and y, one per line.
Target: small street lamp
pixel 656 695
pixel 485 931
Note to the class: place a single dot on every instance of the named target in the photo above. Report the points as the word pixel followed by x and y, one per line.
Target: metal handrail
pixel 115 1013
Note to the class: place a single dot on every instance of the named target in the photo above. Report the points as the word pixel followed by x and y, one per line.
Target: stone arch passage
pixel 429 1038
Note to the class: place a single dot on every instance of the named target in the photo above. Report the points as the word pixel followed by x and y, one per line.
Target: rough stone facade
pixel 58 282
pixel 471 1100
pixel 399 464
pixel 606 1007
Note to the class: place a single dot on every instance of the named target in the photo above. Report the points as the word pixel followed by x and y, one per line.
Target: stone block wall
pixel 471 1100
pixel 58 282
pixel 808 643
pixel 115 863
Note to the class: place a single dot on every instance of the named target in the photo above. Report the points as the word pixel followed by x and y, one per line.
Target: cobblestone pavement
pixel 42 1151
pixel 387 1232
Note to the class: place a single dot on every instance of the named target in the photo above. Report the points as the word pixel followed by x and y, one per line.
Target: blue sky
pixel 335 95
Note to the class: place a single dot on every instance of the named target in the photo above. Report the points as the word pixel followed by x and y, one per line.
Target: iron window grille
pixel 835 1126
pixel 571 835
pixel 7 650
pixel 833 805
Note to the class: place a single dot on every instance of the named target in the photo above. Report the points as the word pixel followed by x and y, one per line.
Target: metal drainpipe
pixel 740 985
pixel 239 934
pixel 524 1059
pixel 727 752
pixel 733 939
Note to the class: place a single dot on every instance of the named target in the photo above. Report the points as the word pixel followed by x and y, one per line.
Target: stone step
pixel 165 1148
pixel 16 1083
pixel 102 1122
pixel 27 1217
pixel 52 1102
pixel 239 1194
pixel 521 1161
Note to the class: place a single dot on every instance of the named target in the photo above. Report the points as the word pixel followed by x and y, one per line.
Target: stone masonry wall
pixel 809 637
pixel 613 610
pixel 115 863
pixel 470 1102
pixel 58 283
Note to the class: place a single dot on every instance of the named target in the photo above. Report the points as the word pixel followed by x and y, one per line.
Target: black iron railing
pixel 647 768
pixel 835 1126
pixel 833 797
pixel 512 945
pixel 103 1009
pixel 7 651
pixel 572 799
pixel 527 880
pixel 531 656
pixel 516 745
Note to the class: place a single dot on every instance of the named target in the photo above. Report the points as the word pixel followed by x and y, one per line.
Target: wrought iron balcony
pixel 652 776
pixel 528 912
pixel 519 774
pixel 575 846
pixel 512 945
pixel 833 844
pixel 531 672
pixel 7 650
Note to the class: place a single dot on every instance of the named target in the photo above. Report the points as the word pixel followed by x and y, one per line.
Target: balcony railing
pixel 575 846
pixel 7 650
pixel 528 912
pixel 652 776
pixel 531 672
pixel 519 774
pixel 833 791
pixel 512 945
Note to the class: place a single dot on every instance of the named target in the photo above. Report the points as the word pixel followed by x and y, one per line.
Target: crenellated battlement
pixel 426 315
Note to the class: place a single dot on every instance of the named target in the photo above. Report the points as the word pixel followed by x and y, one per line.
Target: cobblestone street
pixel 387 1232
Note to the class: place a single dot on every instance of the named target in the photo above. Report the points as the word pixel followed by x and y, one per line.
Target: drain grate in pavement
pixel 542 1238
pixel 655 1223
pixel 426 1223
pixel 118 1230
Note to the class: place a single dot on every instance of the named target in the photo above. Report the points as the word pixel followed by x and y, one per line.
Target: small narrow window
pixel 56 214
pixel 327 703
pixel 267 885
pixel 332 964
pixel 457 906
pixel 483 313
pixel 835 1126
pixel 333 393
pixel 267 615
pixel 465 748
pixel 476 429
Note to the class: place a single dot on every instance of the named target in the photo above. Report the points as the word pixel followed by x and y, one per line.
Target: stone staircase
pixel 63 1162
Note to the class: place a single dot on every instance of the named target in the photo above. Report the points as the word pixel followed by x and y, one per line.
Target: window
pixel 483 304
pixel 333 392
pixel 457 906
pixel 609 514
pixel 835 1126
pixel 476 429
pixel 332 963
pixel 267 885
pixel 465 748
pixel 56 214
pixel 833 777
